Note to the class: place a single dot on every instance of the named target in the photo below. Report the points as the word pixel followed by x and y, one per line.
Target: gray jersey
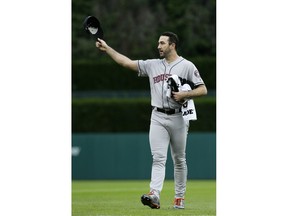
pixel 158 71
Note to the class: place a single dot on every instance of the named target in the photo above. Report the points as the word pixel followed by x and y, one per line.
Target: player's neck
pixel 171 58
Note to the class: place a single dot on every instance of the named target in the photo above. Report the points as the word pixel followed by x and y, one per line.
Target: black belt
pixel 168 111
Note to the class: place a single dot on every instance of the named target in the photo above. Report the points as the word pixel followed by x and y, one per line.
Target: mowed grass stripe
pixel 113 197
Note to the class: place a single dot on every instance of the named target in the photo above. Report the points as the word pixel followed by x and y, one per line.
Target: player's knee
pixel 179 161
pixel 159 159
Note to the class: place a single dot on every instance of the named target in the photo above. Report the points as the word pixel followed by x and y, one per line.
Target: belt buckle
pixel 169 111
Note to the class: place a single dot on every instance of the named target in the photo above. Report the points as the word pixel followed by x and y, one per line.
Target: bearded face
pixel 164 47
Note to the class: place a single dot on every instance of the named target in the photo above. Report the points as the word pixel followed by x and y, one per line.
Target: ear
pixel 173 45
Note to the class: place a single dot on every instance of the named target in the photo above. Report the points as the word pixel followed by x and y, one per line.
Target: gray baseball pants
pixel 168 130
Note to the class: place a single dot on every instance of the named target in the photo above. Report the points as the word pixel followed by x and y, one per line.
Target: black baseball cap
pixel 92 26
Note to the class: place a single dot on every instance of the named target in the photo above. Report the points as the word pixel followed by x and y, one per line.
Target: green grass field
pixel 117 197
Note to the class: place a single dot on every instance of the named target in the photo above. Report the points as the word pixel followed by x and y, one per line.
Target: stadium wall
pixel 127 156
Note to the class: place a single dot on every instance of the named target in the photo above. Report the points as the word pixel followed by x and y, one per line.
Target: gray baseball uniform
pixel 167 129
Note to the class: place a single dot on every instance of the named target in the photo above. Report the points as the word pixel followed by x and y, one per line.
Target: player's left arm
pixel 198 91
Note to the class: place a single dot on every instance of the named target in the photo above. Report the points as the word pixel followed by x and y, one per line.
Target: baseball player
pixel 167 127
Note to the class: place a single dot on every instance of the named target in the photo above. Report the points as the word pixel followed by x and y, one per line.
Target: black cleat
pixel 151 200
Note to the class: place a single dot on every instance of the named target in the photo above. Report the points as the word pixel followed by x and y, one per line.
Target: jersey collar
pixel 180 58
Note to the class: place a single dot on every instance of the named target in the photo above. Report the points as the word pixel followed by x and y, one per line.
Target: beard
pixel 164 53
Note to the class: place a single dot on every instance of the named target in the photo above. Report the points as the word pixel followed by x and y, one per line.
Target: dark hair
pixel 173 38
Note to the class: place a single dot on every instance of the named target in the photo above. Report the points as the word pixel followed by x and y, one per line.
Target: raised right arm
pixel 116 56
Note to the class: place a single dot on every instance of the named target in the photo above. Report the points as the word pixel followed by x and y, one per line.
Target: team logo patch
pixel 196 74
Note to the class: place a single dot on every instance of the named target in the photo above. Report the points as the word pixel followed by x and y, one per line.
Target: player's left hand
pixel 179 96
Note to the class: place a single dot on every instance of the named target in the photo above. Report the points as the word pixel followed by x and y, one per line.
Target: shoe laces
pixel 178 201
pixel 154 194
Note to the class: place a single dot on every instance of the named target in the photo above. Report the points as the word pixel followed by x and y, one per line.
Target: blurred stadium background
pixel 111 105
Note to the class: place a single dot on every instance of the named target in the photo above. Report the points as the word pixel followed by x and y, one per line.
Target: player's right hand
pixel 101 44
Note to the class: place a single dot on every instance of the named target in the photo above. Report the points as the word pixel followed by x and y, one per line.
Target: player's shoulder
pixel 151 61
pixel 188 62
pixel 154 60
